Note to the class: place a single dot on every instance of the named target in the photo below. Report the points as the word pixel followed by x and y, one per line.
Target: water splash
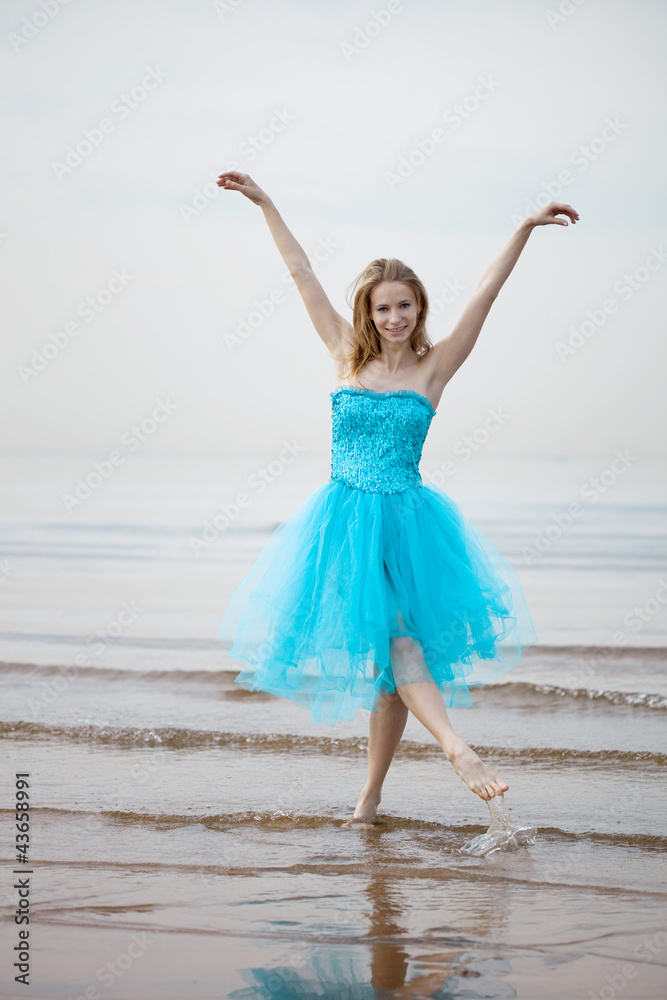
pixel 502 835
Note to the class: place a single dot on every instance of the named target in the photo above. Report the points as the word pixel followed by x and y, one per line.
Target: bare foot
pixel 479 778
pixel 367 806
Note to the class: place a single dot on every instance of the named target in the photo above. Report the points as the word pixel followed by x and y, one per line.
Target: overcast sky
pixel 136 292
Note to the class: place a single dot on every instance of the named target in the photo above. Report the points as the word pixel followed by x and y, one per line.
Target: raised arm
pixel 450 352
pixel 333 328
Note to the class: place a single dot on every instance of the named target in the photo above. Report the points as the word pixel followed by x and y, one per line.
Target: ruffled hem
pixel 359 592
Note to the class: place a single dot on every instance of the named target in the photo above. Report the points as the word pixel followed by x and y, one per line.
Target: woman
pixel 377 592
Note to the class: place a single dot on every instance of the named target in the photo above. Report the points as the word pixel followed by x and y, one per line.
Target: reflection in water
pixel 389 960
pixel 336 972
pixel 377 967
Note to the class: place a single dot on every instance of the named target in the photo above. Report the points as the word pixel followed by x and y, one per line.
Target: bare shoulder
pixel 342 345
pixel 435 372
pixel 435 362
pixel 347 335
pixel 331 327
pixel 448 354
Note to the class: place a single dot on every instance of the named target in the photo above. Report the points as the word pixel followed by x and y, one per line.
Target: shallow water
pixel 198 832
pixel 503 834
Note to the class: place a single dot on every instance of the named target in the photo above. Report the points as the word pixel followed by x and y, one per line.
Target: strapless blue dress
pixel 376 579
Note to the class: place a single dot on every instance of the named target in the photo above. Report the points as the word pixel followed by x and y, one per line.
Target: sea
pixel 190 839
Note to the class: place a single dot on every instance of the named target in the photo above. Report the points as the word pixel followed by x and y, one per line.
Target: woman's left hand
pixel 547 216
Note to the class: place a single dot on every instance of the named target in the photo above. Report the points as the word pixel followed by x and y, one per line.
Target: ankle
pixel 371 794
pixel 454 746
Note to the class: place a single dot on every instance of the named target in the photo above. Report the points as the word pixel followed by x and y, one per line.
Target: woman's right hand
pixel 232 180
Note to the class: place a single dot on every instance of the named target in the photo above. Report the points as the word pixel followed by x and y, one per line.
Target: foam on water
pixel 502 834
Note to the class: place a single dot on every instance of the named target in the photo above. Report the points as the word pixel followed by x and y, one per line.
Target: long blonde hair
pixel 367 345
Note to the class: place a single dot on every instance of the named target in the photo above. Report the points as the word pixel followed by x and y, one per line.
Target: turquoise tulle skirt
pixel 358 592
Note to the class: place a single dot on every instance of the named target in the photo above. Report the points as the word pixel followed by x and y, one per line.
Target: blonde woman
pixel 377 592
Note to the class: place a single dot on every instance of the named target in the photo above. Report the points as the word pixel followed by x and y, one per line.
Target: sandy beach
pixel 189 838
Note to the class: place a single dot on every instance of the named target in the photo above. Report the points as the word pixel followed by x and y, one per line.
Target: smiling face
pixel 394 311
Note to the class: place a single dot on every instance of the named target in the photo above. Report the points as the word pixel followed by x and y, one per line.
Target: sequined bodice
pixel 377 437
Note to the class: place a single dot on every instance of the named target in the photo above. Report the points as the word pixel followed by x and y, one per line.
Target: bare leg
pixel 424 700
pixel 385 728
pixel 423 697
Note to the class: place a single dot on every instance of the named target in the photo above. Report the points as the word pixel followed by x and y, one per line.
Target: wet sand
pixel 189 838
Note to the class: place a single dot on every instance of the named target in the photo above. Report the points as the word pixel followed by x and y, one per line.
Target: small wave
pixel 611 653
pixel 177 738
pixel 518 694
pixel 185 643
pixel 285 820
pixel 110 674
pixel 509 692
pixel 173 738
pixel 646 655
